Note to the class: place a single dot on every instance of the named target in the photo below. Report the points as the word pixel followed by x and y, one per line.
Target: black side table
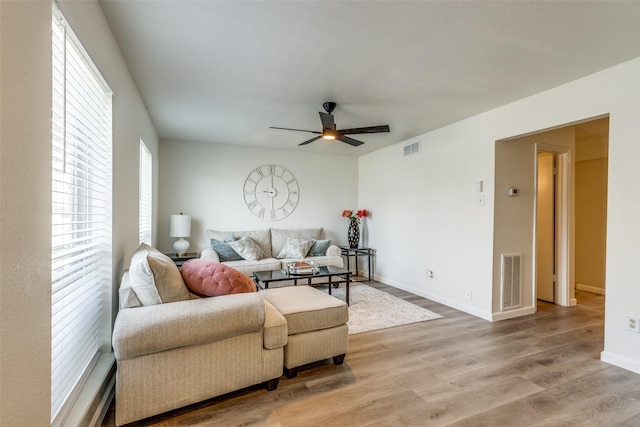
pixel 349 252
pixel 182 258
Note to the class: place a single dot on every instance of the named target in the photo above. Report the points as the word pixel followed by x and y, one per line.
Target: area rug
pixel 372 309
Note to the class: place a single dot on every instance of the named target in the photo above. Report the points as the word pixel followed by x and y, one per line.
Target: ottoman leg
pixel 339 359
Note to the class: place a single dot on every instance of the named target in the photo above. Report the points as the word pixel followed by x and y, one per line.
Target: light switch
pixel 479 185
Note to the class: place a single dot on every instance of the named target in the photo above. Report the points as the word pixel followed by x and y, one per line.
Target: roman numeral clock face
pixel 271 192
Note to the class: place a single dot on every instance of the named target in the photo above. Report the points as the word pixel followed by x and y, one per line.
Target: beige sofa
pixel 272 241
pixel 174 349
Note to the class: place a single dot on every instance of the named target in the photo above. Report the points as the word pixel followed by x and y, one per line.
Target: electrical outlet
pixel 429 273
pixel 469 295
pixel 633 324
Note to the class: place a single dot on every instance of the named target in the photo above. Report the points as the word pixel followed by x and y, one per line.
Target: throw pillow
pixel 225 252
pixel 247 248
pixel 295 248
pixel 319 247
pixel 155 278
pixel 210 279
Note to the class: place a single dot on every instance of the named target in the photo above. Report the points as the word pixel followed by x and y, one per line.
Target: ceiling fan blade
pixel 349 141
pixel 311 140
pixel 327 121
pixel 368 129
pixel 299 130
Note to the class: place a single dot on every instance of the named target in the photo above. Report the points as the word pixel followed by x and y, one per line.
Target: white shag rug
pixel 371 309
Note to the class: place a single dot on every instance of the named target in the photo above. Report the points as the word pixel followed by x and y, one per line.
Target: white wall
pixel 425 215
pixel 25 213
pixel 25 189
pixel 206 181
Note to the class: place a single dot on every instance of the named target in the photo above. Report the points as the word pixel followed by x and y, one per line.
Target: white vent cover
pixel 511 281
pixel 412 148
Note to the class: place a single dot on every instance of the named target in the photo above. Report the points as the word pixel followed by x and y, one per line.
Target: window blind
pixel 145 207
pixel 81 217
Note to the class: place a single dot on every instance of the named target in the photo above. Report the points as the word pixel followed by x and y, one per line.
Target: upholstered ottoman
pixel 316 322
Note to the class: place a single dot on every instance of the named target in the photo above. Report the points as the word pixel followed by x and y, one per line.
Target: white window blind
pixel 81 218
pixel 145 208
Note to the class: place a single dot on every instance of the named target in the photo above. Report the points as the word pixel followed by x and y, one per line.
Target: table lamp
pixel 180 227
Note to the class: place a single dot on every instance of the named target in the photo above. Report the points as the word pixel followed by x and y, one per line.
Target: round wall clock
pixel 271 192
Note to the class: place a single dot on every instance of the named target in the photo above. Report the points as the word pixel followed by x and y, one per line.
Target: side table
pixel 349 252
pixel 182 258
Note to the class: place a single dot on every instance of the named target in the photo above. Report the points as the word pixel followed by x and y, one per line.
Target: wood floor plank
pixel 537 370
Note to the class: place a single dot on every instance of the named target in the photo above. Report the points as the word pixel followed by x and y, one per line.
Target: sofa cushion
pixel 248 267
pixel 319 247
pixel 306 308
pixel 295 248
pixel 206 278
pixel 247 248
pixel 279 236
pixel 261 237
pixel 224 250
pixel 155 278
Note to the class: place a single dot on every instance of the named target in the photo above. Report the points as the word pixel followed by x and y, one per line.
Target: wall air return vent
pixel 511 281
pixel 412 148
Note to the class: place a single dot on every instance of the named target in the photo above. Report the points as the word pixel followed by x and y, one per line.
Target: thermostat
pixel 513 191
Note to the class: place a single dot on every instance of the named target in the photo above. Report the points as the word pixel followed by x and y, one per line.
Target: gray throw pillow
pixel 224 251
pixel 319 247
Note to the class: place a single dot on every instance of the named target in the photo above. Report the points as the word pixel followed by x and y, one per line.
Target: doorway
pixel 546 227
pixel 552 272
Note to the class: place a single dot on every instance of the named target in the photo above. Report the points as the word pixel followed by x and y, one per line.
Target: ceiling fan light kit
pixel 329 131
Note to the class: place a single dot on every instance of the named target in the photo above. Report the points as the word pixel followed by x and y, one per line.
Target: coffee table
pixel 333 275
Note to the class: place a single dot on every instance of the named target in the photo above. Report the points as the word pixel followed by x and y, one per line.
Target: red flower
pixel 361 213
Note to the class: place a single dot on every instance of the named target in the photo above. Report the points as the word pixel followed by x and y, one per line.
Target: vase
pixel 353 234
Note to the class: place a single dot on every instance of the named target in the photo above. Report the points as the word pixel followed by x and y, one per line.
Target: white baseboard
pixel 510 314
pixel 592 289
pixel 449 303
pixel 621 362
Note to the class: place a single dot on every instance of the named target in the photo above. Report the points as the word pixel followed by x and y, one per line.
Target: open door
pixel 546 228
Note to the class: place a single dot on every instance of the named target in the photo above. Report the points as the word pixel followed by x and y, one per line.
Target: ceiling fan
pixel 329 131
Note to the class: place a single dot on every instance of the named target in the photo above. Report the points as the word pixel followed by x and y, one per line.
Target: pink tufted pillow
pixel 211 279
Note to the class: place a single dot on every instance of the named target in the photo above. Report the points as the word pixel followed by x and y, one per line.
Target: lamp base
pixel 180 247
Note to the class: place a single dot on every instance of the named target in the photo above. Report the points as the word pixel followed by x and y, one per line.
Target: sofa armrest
pixel 210 255
pixel 275 327
pixel 333 250
pixel 152 329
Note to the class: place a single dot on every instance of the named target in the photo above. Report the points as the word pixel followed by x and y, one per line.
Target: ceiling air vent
pixel 412 148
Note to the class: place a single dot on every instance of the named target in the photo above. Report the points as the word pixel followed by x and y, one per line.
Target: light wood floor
pixel 538 370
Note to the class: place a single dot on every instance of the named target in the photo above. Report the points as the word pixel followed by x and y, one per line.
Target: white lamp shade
pixel 180 226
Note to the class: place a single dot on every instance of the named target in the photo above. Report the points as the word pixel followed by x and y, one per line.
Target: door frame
pixel 563 224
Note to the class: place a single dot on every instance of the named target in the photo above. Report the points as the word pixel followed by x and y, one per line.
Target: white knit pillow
pixel 247 248
pixel 295 248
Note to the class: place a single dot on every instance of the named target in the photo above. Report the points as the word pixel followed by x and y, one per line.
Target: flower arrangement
pixel 362 213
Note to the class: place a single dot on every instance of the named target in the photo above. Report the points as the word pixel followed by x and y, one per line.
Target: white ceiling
pixel 224 71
